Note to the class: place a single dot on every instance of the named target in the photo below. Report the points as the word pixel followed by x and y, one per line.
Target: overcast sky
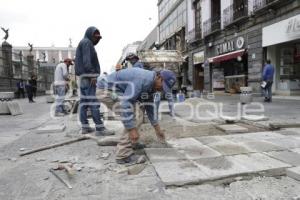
pixel 47 22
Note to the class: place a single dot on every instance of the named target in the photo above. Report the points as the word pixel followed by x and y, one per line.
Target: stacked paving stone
pixel 203 159
pixel 8 106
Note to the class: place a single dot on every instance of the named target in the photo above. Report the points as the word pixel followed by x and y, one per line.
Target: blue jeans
pixel 268 90
pixel 88 100
pixel 157 99
pixel 60 91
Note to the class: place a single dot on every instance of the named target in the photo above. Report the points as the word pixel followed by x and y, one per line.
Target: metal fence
pixel 15 67
pixel 235 11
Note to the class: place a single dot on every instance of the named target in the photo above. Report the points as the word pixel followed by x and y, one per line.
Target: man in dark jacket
pixel 88 68
pixel 268 76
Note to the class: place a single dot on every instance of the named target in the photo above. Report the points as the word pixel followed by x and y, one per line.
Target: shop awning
pixel 228 56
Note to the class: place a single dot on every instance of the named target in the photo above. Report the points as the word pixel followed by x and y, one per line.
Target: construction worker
pixel 61 78
pixel 133 59
pixel 131 86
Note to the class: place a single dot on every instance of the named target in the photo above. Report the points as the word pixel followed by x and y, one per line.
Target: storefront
pixel 282 46
pixel 198 60
pixel 229 66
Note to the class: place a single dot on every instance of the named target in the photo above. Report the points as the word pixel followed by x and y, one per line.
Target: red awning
pixel 228 56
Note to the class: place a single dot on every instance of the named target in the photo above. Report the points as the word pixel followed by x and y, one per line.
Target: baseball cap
pixel 131 56
pixel 169 80
pixel 69 60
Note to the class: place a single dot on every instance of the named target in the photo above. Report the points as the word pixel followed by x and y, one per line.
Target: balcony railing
pixel 212 25
pixel 235 12
pixel 258 4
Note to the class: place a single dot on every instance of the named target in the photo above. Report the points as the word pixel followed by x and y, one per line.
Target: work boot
pixel 59 114
pixel 132 159
pixel 138 146
pixel 104 132
pixel 87 130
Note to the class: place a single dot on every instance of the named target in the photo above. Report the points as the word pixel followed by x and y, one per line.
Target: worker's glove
pixel 114 96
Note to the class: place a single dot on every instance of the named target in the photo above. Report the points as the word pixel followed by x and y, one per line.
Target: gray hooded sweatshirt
pixel 86 60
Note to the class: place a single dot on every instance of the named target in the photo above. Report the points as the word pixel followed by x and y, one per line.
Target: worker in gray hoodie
pixel 87 67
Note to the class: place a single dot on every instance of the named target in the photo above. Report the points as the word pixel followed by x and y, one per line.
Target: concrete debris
pixel 104 156
pixel 136 169
pixel 12 159
pixel 40 159
pixel 22 149
pixel 60 179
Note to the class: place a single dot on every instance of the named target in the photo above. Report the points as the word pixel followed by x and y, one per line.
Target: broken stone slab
pixel 255 118
pixel 51 128
pixel 289 157
pixel 163 154
pixel 7 95
pixel 179 172
pixel 294 173
pixel 232 128
pixel 14 108
pixel 258 162
pixel 284 125
pixel 4 107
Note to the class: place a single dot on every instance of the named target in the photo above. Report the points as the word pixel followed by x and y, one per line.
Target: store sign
pixel 198 58
pixel 284 31
pixel 230 46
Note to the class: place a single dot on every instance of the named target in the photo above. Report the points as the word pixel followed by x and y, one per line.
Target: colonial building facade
pixel 229 42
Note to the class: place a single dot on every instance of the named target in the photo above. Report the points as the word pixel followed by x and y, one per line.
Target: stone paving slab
pixel 51 128
pixel 255 118
pixel 288 142
pixel 179 172
pixel 193 149
pixel 227 147
pixel 220 167
pixel 293 173
pixel 258 162
pixel 210 139
pixel 163 154
pixel 263 136
pixel 4 107
pixel 262 146
pixel 290 132
pixel 14 108
pixel 297 150
pixel 232 128
pixel 289 157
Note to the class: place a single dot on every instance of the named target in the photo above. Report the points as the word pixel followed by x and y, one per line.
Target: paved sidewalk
pixel 203 159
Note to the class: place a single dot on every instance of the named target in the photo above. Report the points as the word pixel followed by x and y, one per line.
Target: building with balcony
pixel 172 31
pixel 237 37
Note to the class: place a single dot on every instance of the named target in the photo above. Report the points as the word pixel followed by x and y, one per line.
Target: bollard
pixel 246 95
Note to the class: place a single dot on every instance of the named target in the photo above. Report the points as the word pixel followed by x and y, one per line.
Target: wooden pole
pixel 55 145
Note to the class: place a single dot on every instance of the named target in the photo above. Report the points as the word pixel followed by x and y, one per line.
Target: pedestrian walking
pixel 131 87
pixel 268 76
pixel 21 89
pixel 61 78
pixel 87 67
pixel 29 91
pixel 33 84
